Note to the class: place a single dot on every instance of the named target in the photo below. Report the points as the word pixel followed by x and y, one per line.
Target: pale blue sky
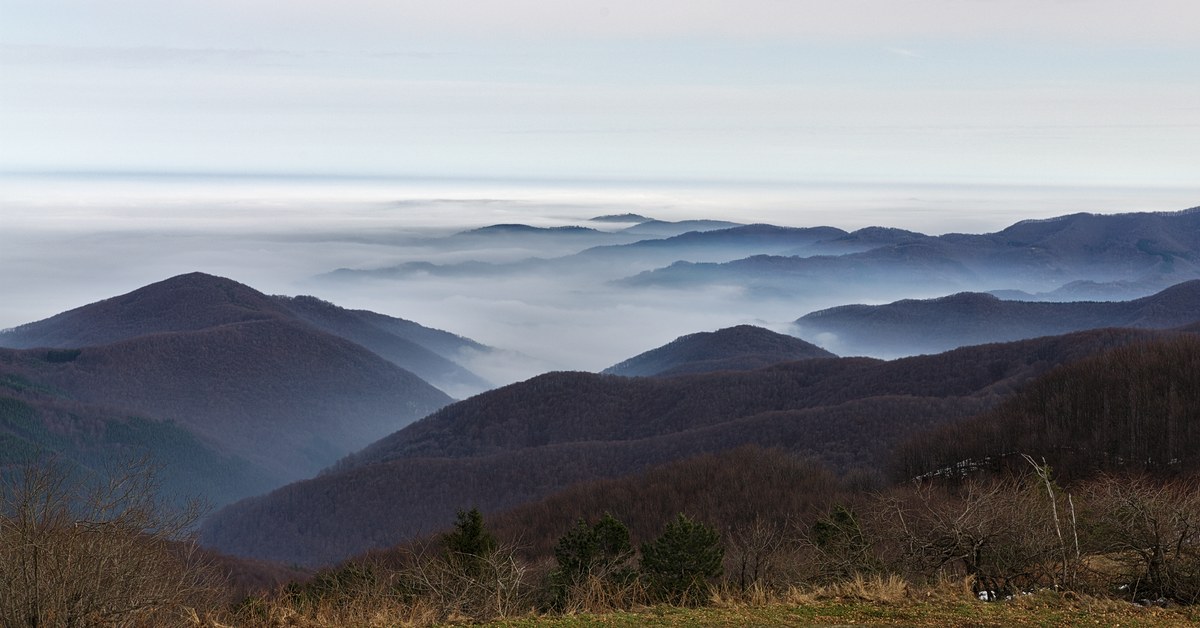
pixel 1020 92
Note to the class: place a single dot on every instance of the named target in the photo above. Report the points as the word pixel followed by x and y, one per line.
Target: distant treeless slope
pixel 744 347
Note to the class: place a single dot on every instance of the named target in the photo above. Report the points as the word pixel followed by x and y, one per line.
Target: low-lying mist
pixel 559 311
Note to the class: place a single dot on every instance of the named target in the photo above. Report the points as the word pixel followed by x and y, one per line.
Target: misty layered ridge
pixel 740 348
pixel 587 250
pixel 531 288
pixel 431 313
pixel 536 437
pixel 204 370
pixel 201 372
pixel 199 301
pixel 1135 250
pixel 927 326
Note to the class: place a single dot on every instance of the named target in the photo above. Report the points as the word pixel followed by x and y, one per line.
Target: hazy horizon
pixel 78 239
pixel 271 142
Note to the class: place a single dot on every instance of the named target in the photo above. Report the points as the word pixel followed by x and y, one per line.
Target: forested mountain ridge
pixel 1133 409
pixel 428 353
pixel 198 301
pixel 1032 255
pixel 931 325
pixel 188 302
pixel 311 395
pixel 713 245
pixel 744 347
pixel 38 421
pixel 730 490
pixel 536 437
pixel 570 406
pixel 207 373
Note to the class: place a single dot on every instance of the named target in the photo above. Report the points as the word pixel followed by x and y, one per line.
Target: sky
pixel 270 141
pixel 1017 92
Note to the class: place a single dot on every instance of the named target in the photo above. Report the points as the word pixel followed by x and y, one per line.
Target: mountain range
pixel 524 441
pixel 915 326
pixel 740 348
pixel 325 431
pixel 1032 255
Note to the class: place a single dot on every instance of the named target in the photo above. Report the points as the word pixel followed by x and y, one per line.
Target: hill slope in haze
pixel 711 246
pixel 744 347
pixel 1032 255
pixel 404 343
pixel 38 422
pixel 524 441
pixel 932 325
pixel 197 301
pixel 217 362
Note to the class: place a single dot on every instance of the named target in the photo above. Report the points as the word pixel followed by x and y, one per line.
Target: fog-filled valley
pixel 461 263
pixel 341 386
pixel 372 314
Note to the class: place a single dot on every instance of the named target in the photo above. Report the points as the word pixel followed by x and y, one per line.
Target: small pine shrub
pixel 680 564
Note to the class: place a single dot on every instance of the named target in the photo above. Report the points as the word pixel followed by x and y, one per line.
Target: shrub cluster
pixel 1127 537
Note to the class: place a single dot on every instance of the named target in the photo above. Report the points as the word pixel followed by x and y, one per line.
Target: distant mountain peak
pixel 968 298
pixel 186 302
pixel 197 301
pixel 638 218
pixel 968 318
pixel 510 228
pixel 1189 288
pixel 742 347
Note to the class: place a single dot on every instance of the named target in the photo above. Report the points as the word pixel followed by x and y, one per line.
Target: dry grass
pixel 879 600
pixel 938 610
pixel 596 594
pixel 365 611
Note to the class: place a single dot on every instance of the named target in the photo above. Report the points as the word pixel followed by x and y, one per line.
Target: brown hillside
pixel 528 440
pixel 283 396
pixel 740 348
pixel 929 325
pixel 197 301
pixel 1134 408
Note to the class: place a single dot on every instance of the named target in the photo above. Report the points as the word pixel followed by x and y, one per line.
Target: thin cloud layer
pixel 372 23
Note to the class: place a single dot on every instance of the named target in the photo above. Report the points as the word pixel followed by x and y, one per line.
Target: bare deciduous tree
pixel 1148 532
pixel 1002 533
pixel 87 552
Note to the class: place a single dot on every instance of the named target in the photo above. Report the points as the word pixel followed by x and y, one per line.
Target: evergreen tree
pixel 679 564
pixel 469 542
pixel 592 549
pixel 842 544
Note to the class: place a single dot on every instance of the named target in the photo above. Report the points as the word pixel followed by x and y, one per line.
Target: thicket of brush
pixel 81 553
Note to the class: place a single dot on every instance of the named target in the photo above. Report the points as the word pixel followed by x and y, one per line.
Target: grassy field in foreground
pixel 1043 610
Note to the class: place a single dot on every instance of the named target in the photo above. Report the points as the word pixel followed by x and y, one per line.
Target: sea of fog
pixel 68 240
